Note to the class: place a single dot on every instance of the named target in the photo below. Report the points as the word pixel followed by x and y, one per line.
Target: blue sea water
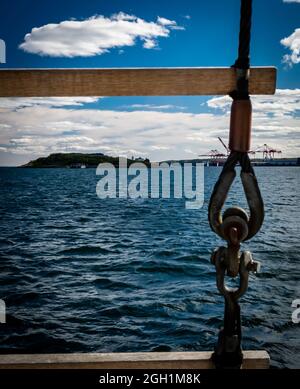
pixel 80 274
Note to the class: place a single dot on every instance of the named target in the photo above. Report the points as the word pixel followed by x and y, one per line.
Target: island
pixel 79 160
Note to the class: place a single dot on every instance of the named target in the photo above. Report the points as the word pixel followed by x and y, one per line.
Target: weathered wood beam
pixel 130 82
pixel 155 360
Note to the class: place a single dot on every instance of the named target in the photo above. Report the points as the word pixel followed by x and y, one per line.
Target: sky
pixel 144 33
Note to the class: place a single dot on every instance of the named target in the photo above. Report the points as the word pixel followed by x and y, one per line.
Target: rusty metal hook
pixel 235 217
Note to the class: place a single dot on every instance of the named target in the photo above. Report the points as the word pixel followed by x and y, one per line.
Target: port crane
pixel 214 155
pixel 224 145
pixel 227 149
pixel 217 156
pixel 267 151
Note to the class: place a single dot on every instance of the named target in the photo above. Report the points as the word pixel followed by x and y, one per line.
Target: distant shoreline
pixel 91 161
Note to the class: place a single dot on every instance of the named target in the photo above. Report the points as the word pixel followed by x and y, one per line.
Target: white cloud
pixel 156 107
pixel 149 44
pixel 166 22
pixel 155 147
pixel 292 42
pixel 291 1
pixel 17 103
pixel 284 103
pixel 96 35
pixel 38 130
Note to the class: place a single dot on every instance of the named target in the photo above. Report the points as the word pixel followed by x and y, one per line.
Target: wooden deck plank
pixel 130 82
pixel 154 360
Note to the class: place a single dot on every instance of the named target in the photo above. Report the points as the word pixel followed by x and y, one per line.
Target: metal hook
pixel 247 226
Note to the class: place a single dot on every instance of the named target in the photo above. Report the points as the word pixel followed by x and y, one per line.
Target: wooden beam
pixel 130 82
pixel 155 360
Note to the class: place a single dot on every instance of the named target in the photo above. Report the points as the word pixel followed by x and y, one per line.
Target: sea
pixel 84 274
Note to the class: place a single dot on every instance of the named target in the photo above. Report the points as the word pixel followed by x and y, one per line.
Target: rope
pixel 243 60
pixel 242 64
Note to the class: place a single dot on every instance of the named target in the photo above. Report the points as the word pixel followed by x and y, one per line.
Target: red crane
pixel 227 149
pixel 267 151
pixel 213 154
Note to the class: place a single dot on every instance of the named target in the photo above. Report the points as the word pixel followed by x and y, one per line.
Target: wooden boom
pixel 131 82
pixel 153 360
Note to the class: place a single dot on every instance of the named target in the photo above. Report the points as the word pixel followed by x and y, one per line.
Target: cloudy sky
pixel 132 33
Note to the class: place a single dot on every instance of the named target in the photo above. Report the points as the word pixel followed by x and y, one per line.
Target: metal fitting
pixel 240 125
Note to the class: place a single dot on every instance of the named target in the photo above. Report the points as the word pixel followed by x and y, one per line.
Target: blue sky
pixel 129 33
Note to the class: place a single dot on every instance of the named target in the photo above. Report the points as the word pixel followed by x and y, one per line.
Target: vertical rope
pixel 242 64
pixel 243 60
